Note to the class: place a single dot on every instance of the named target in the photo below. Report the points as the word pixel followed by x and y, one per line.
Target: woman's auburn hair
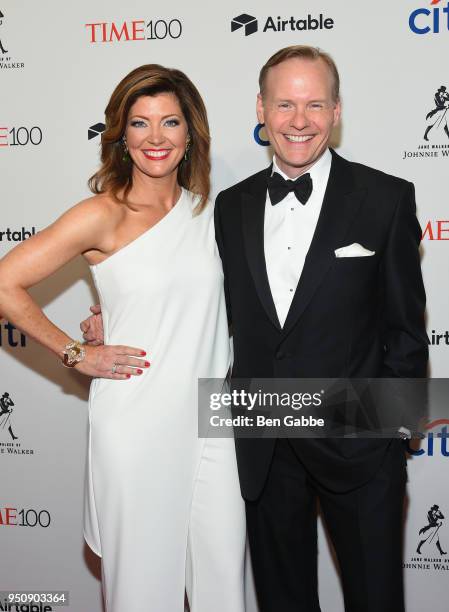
pixel 115 173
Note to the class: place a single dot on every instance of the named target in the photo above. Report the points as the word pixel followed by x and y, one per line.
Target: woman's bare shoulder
pixel 89 224
pixel 98 218
pixel 101 208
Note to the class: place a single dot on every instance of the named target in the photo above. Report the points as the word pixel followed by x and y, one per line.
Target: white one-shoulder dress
pixel 163 507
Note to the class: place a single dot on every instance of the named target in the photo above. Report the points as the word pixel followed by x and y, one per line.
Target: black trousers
pixel 365 526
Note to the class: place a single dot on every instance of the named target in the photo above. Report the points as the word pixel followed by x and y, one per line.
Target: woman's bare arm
pixel 80 229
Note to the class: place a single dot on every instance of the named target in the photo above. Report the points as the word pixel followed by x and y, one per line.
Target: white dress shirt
pixel 288 231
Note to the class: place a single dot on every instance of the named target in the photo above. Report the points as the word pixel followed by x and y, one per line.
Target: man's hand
pixel 92 327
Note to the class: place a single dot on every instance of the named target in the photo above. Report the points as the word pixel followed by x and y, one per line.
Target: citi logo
pixel 95 130
pixel 433 20
pixel 260 135
pixel 10 336
pixel 434 443
pixel 436 230
pixel 278 24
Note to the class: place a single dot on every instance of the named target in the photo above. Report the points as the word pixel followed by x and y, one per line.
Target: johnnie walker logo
pixel 7 62
pixel 10 443
pixel 6 411
pixel 429 534
pixel 430 553
pixel 437 119
pixel 3 50
pixel 435 135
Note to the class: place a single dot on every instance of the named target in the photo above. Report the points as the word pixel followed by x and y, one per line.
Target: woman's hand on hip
pixel 118 362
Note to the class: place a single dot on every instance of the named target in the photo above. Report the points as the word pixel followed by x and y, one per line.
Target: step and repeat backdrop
pixel 59 62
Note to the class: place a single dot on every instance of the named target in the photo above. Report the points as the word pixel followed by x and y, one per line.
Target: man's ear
pixel 260 109
pixel 337 112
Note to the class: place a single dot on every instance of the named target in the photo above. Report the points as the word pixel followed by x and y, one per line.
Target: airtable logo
pixel 17 235
pixel 434 20
pixel 95 130
pixel 278 24
pixel 246 21
pixel 439 338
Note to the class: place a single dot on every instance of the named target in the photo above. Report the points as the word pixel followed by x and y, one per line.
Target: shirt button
pixel 291 289
pixel 292 209
pixel 289 248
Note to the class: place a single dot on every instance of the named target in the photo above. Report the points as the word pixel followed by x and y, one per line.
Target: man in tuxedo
pixel 298 309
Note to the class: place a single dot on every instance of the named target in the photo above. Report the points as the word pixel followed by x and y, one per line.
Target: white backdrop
pixel 56 75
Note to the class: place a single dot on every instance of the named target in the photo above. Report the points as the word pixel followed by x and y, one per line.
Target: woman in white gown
pixel 162 506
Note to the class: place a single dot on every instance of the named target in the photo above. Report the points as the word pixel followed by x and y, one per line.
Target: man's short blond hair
pixel 302 52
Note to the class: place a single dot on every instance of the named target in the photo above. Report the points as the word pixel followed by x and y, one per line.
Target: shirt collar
pixel 319 168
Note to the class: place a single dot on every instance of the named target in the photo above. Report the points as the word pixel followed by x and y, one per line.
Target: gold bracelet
pixel 73 353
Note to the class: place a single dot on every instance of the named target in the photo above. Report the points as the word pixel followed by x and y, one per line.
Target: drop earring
pixel 186 152
pixel 125 156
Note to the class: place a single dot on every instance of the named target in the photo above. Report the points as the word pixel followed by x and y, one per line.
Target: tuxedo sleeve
pixel 405 338
pixel 221 249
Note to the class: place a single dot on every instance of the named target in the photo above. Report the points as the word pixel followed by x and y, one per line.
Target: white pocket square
pixel 353 250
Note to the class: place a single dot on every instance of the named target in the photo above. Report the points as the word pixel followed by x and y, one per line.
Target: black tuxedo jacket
pixel 359 317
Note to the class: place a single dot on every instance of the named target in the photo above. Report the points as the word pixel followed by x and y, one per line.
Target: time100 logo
pixel 133 31
pixel 20 136
pixel 26 517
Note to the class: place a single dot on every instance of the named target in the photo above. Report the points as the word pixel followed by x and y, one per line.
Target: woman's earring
pixel 125 156
pixel 186 152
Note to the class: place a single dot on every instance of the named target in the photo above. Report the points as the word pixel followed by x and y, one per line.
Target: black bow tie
pixel 279 187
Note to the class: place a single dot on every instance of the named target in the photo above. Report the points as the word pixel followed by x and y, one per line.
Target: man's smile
pixel 293 138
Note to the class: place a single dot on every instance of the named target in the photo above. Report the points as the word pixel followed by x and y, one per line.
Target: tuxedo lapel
pixel 340 204
pixel 253 216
